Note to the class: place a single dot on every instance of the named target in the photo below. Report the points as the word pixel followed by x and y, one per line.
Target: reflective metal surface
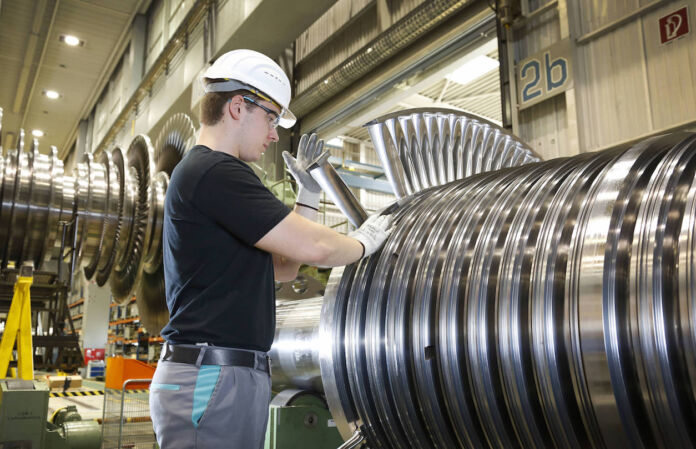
pixel 119 201
pixel 177 137
pixel 113 178
pixel 151 294
pixel 129 257
pixel 549 305
pixel 514 305
pixel 295 351
pixel 92 203
pixel 422 148
pixel 33 191
pixel 331 183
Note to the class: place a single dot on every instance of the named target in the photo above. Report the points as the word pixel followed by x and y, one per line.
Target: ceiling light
pixel 473 69
pixel 71 40
pixel 335 142
pixel 52 94
pixel 37 133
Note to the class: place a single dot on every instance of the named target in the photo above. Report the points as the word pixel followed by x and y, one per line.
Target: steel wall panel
pixel 612 88
pixel 177 11
pixel 155 33
pixel 595 14
pixel 399 9
pixel 539 33
pixel 627 84
pixel 671 71
pixel 544 128
pixel 333 20
pixel 343 30
pixel 342 45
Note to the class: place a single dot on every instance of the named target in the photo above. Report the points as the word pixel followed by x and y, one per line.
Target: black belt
pixel 211 355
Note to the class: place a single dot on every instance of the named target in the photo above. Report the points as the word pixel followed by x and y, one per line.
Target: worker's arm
pixel 298 239
pixel 307 202
pixel 286 269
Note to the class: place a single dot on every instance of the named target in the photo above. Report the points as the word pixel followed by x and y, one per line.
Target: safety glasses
pixel 276 117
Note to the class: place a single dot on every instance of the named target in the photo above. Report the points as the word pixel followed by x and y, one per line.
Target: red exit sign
pixel 674 25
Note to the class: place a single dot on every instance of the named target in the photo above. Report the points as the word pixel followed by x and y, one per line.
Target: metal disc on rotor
pixel 20 207
pixel 110 215
pixel 129 260
pixel 153 239
pixel 9 185
pixel 54 208
pixel 128 224
pixel 6 185
pixel 422 148
pixel 117 175
pixel 175 139
pixel 39 202
pixel 93 216
pixel 151 295
pixel 150 298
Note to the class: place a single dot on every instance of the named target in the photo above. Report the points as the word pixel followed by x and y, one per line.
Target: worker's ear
pixel 235 106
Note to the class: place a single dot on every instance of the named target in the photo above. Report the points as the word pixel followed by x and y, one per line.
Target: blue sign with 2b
pixel 544 75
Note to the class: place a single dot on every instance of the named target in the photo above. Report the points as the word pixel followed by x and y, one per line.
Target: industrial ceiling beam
pixel 428 60
pixel 286 27
pixel 35 75
pixel 29 56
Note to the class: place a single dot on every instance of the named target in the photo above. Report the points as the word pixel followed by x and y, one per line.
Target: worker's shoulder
pixel 201 161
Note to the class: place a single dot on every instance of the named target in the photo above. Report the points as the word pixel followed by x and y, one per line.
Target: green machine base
pixel 300 420
pixel 23 424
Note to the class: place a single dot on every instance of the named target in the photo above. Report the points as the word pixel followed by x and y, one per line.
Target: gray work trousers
pixel 210 406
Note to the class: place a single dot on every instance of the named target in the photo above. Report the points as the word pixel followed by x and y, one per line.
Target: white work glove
pixel 373 233
pixel 308 189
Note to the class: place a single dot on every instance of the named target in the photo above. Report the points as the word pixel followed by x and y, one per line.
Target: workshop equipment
pixel 545 303
pixel 516 303
pixel 299 419
pixel 23 424
pixel 18 328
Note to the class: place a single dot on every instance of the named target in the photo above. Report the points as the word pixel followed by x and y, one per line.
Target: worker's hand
pixel 308 190
pixel 373 233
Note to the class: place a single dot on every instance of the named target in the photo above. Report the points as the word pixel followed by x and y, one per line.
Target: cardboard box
pixel 63 382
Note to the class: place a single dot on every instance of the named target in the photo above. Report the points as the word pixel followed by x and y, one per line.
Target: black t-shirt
pixel 219 286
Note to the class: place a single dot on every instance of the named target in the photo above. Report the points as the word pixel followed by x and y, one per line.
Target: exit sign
pixel 674 25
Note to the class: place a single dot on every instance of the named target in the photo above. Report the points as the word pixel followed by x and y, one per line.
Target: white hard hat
pixel 256 72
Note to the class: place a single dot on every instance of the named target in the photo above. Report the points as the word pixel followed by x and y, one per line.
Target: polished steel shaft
pixel 113 204
pixel 296 346
pixel 515 305
pixel 331 183
pixel 543 306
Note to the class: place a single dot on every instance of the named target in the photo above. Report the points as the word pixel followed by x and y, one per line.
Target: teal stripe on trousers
pixel 205 384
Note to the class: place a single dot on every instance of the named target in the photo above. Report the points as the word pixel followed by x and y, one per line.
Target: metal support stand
pixel 18 327
pixel 47 292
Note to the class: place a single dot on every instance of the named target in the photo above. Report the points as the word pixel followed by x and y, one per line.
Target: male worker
pixel 226 237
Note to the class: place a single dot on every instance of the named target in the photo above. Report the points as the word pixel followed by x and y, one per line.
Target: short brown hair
pixel 213 103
